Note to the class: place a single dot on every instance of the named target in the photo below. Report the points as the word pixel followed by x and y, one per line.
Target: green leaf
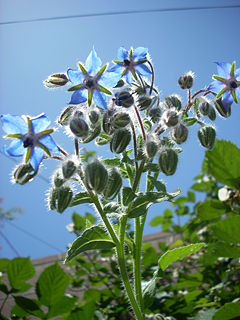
pixel 80 197
pixel 79 221
pixel 112 162
pixel 205 315
pixel 178 254
pixel 228 311
pixel 158 184
pixel 223 163
pixel 223 249
pixel 111 207
pixel 149 291
pixel 228 229
pixel 210 209
pixel 52 284
pixel 203 186
pixel 3 288
pixel 86 312
pixel 156 221
pixel 63 305
pixel 29 306
pixel 3 264
pixel 102 139
pixel 93 135
pixel 94 238
pixel 127 195
pixel 19 270
pixel 191 196
pixel 190 121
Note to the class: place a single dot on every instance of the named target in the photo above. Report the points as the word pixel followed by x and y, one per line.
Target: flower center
pixel 28 142
pixel 233 84
pixel 126 62
pixel 90 83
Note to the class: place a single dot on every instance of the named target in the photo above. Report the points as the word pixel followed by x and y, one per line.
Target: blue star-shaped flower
pixel 31 138
pixel 226 84
pixel 90 82
pixel 131 62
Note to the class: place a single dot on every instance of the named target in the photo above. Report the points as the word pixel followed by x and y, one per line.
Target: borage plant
pixel 120 107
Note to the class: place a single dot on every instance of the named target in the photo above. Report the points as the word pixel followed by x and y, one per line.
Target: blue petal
pixel 109 79
pixel 75 76
pixel 122 54
pixel 237 74
pixel 237 91
pixel 40 123
pixel 116 68
pixel 79 96
pixel 139 53
pixel 36 157
pixel 142 69
pixel 93 63
pixel 100 99
pixel 224 69
pixel 227 98
pixel 129 77
pixel 14 124
pixel 15 149
pixel 216 86
pixel 49 143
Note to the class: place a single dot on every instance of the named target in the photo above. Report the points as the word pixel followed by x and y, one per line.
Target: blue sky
pixel 178 41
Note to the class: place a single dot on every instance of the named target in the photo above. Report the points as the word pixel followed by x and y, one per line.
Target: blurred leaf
pixel 156 221
pixel 63 305
pixel 178 254
pixel 149 291
pixel 19 270
pixel 223 163
pixel 29 306
pixel 203 186
pixel 52 284
pixel 92 239
pixel 222 249
pixel 228 229
pixel 211 209
pixel 3 264
pixel 205 315
pixel 86 312
pixel 3 288
pixel 79 221
pixel 228 311
pixel 191 196
pixel 80 197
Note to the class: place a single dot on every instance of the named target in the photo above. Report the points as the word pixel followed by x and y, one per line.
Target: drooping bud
pixel 170 117
pixel 144 102
pixel 211 113
pixel 56 80
pixel 106 123
pixel 79 127
pixel 168 160
pixel 60 198
pixel 204 106
pixel 124 99
pixel 96 175
pixel 186 80
pixel 68 168
pixel 23 173
pixel 173 101
pixel 120 120
pixel 120 140
pixel 155 114
pixel 65 115
pixel 58 179
pixel 207 136
pixel 94 116
pixel 223 110
pixel 179 133
pixel 114 184
pixel 151 146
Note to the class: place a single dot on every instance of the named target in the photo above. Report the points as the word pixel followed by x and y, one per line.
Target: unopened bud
pixel 155 114
pixel 60 198
pixel 106 123
pixel 168 160
pixel 65 115
pixel 120 140
pixel 58 179
pixel 186 80
pixel 151 146
pixel 207 136
pixel 144 102
pixel 223 109
pixel 124 99
pixel 120 120
pixel 79 127
pixel 56 80
pixel 179 133
pixel 94 116
pixel 173 101
pixel 204 106
pixel 170 117
pixel 68 168
pixel 114 184
pixel 96 175
pixel 23 173
pixel 211 113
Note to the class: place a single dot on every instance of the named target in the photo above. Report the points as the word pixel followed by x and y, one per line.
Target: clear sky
pixel 178 41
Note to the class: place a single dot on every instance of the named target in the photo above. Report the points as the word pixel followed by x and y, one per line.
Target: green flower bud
pixel 94 116
pixel 207 136
pixel 173 101
pixel 140 148
pixel 96 175
pixel 144 102
pixel 52 198
pixel 170 117
pixel 58 179
pixel 60 198
pixel 211 113
pixel 120 140
pixel 186 80
pixel 204 106
pixel 155 114
pixel 68 168
pixel 106 123
pixel 56 80
pixel 151 146
pixel 114 184
pixel 79 127
pixel 222 109
pixel 168 160
pixel 120 120
pixel 65 115
pixel 179 133
pixel 124 99
pixel 23 173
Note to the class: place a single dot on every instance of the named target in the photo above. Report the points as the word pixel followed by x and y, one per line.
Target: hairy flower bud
pixel 168 160
pixel 173 101
pixel 56 80
pixel 155 114
pixel 79 127
pixel 68 168
pixel 144 102
pixel 222 110
pixel 124 99
pixel 204 106
pixel 23 173
pixel 120 120
pixel 151 146
pixel 96 175
pixel 120 140
pixel 170 117
pixel 60 198
pixel 65 115
pixel 94 116
pixel 58 179
pixel 211 113
pixel 179 133
pixel 106 123
pixel 186 80
pixel 207 136
pixel 114 184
